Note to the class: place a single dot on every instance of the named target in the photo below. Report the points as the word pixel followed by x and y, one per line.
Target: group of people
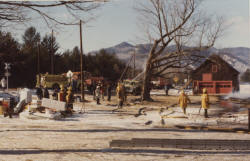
pixel 65 95
pixel 99 91
pixel 101 88
pixel 121 96
pixel 184 100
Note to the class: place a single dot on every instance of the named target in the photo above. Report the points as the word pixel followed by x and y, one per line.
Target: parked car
pixel 5 95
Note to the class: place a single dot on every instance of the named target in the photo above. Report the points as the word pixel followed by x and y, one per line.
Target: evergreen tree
pixel 49 48
pixel 105 64
pixel 31 40
pixel 10 53
pixel 246 76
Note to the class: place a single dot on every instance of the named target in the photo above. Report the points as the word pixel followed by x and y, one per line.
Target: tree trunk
pixel 146 81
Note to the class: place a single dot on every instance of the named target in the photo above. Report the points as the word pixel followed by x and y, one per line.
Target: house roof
pixel 214 58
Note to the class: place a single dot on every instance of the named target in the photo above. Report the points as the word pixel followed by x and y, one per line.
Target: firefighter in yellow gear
pixel 183 101
pixel 62 94
pixel 120 92
pixel 205 102
pixel 70 98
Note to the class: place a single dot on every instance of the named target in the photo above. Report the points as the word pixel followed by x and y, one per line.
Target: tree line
pixel 36 54
pixel 245 77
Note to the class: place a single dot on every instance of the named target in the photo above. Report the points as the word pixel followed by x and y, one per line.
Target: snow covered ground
pixel 171 92
pixel 86 135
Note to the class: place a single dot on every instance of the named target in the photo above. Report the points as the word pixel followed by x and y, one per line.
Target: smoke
pixel 138 76
pixel 144 64
pixel 238 95
pixel 244 92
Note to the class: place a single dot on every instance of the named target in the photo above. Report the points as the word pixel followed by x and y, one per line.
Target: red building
pixel 216 75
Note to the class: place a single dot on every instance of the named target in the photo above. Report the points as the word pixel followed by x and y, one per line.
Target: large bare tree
pixel 180 24
pixel 22 11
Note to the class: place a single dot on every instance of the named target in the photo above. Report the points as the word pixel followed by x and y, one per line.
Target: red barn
pixel 216 75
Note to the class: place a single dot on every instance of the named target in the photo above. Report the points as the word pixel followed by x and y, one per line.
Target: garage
pixel 211 75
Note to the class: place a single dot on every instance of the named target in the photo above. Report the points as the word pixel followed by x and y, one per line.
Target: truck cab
pixel 133 86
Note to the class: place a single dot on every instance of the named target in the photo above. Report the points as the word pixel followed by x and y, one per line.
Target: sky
pixel 117 21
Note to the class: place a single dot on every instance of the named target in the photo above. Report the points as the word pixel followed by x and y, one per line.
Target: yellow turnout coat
pixel 183 100
pixel 120 91
pixel 205 101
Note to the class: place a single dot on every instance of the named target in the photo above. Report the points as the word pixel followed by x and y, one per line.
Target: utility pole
pixel 134 66
pixel 81 57
pixel 38 64
pixel 52 54
pixel 248 118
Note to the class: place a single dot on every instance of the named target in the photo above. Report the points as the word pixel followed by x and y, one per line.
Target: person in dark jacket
pixel 39 92
pixel 93 90
pixel 103 90
pixel 167 87
pixel 109 90
pixel 74 85
pixel 45 92
pixel 55 94
pixel 10 109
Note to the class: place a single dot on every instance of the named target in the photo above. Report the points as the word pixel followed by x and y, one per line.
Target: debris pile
pixel 32 106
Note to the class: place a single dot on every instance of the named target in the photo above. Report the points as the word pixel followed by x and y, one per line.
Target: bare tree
pixel 22 11
pixel 182 24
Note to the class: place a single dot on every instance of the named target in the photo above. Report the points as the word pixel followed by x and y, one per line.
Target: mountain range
pixel 238 57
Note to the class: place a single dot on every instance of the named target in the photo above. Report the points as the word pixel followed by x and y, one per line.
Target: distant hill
pixel 238 57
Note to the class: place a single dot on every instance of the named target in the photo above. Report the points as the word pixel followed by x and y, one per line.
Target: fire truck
pixel 52 81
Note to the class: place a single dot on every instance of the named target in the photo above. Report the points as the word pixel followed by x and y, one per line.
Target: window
pixel 207 77
pixel 214 68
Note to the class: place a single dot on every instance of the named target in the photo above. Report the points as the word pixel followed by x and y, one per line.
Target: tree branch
pixel 13 11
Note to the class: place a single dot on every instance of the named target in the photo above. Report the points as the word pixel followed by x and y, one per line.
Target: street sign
pixel 176 79
pixel 7 74
pixel 7 66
